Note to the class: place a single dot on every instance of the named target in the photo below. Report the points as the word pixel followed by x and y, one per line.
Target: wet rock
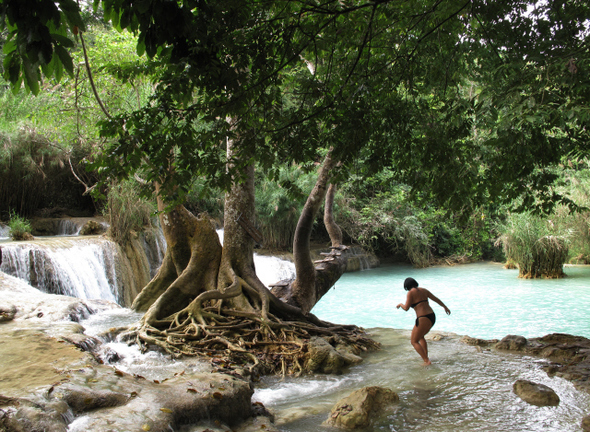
pixel 7 313
pixel 84 399
pixel 535 394
pixel 324 358
pixel 92 227
pixel 468 340
pixel 23 415
pixel 362 407
pixel 512 343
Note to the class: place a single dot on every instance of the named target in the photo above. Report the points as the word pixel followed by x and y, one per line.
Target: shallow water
pixel 486 300
pixel 464 390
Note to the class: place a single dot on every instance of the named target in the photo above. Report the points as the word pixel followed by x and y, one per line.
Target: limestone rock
pixel 512 343
pixel 92 227
pixel 468 340
pixel 535 394
pixel 7 313
pixel 324 358
pixel 362 407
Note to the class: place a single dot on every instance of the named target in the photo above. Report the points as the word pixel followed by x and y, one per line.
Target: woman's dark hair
pixel 410 283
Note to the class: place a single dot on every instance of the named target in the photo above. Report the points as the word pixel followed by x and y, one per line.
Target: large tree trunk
pixel 207 300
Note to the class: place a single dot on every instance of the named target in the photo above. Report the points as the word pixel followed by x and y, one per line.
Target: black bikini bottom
pixel 430 316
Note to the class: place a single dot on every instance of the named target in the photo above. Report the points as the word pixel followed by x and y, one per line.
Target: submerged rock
pixel 535 394
pixel 362 407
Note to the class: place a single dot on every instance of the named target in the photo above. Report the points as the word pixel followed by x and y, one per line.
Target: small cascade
pixel 358 259
pixel 154 245
pixel 82 268
pixel 4 232
pixel 270 269
pixel 86 267
pixel 68 227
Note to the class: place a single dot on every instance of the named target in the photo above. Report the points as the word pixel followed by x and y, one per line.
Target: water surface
pixel 486 300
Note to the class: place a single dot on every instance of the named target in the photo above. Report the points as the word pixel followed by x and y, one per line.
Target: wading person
pixel 417 299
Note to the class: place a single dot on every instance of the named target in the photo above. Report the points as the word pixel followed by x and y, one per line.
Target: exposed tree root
pixel 252 345
pixel 252 342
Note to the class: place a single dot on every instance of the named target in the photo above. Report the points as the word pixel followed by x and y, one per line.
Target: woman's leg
pixel 417 338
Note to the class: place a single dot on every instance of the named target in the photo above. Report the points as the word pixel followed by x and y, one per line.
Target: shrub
pixel 535 244
pixel 19 227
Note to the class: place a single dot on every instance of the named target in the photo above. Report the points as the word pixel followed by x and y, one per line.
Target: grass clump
pixel 19 227
pixel 535 244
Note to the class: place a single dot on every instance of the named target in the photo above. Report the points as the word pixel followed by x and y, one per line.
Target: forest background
pixel 49 141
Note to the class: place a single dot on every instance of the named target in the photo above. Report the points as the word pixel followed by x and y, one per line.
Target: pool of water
pixel 486 300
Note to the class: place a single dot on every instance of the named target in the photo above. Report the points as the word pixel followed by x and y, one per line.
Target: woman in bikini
pixel 418 300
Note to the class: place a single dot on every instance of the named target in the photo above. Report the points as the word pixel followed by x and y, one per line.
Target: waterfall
pixel 86 267
pixel 4 231
pixel 91 267
pixel 78 268
pixel 68 227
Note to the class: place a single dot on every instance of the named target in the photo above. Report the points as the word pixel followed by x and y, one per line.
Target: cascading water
pixel 4 232
pixel 84 267
pixel 78 268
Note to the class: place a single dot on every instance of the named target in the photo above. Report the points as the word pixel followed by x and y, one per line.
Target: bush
pixel 19 227
pixel 535 244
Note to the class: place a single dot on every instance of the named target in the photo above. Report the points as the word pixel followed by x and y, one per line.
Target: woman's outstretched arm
pixel 437 300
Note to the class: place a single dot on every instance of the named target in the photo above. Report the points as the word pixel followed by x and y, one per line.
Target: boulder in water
pixel 535 394
pixel 362 407
pixel 512 343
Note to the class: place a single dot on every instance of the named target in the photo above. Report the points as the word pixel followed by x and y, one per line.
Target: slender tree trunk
pixel 332 227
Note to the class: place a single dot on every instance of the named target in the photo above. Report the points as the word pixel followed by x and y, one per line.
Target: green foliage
pixel 537 245
pixel 383 220
pixel 19 227
pixel 201 199
pixel 38 39
pixel 279 204
pixel 127 212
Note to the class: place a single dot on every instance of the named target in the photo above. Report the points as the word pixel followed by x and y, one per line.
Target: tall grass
pixel 538 246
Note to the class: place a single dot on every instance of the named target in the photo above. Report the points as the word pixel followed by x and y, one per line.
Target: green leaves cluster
pixel 39 36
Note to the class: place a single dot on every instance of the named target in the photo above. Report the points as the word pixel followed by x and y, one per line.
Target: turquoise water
pixel 486 300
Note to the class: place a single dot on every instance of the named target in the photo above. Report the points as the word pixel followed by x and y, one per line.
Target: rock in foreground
pixel 362 407
pixel 535 394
